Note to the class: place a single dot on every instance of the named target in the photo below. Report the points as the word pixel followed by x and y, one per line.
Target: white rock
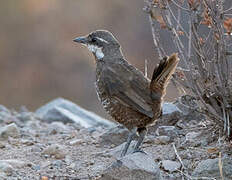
pixel 67 112
pixel 75 142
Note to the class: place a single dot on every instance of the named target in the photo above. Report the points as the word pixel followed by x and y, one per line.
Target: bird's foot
pixel 139 150
pixel 123 154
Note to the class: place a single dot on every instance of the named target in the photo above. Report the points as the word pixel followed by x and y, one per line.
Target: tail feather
pixel 163 73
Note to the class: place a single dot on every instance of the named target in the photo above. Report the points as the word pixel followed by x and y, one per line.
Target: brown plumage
pixel 125 93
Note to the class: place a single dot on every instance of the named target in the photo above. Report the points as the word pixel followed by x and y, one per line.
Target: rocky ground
pixel 63 141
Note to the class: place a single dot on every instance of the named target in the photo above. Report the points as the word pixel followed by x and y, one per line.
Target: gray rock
pixel 55 150
pixel 133 166
pixel 192 136
pixel 116 136
pixel 162 140
pixel 116 151
pixel 16 163
pixel 169 108
pixel 10 130
pixel 25 116
pixel 67 112
pixel 160 152
pixel 170 166
pixel 210 168
pixel 169 131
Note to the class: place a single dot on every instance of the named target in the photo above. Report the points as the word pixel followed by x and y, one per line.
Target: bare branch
pixel 204 47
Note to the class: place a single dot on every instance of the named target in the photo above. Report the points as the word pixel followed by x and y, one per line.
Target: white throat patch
pixel 96 50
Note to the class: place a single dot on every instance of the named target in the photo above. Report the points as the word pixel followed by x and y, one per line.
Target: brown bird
pixel 125 93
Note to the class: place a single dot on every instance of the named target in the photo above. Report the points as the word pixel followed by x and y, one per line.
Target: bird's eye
pixel 94 39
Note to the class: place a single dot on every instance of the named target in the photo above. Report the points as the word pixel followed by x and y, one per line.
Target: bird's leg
pixel 142 133
pixel 131 136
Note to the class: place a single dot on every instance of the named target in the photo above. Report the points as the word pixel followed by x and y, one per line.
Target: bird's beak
pixel 82 40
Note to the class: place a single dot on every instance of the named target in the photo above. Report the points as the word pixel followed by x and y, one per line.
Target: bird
pixel 129 97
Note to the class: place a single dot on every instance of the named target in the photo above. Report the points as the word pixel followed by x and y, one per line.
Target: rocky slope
pixel 63 141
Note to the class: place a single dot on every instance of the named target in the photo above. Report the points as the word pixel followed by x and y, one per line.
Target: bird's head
pixel 99 42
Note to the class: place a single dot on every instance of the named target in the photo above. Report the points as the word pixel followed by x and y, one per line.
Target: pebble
pixel 44 178
pixel 45 164
pixel 57 163
pixel 76 142
pixel 36 148
pixel 27 142
pixel 72 165
pixel 2 145
pixel 6 168
pixel 54 150
pixel 36 167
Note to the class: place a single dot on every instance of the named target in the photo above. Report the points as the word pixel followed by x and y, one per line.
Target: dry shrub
pixel 201 32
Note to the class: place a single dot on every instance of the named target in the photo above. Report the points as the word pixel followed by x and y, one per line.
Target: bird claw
pixel 139 150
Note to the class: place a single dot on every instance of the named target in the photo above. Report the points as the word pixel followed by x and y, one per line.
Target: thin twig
pixel 208 61
pixel 177 155
pixel 220 165
pixel 145 68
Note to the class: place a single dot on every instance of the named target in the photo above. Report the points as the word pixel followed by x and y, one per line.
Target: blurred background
pixel 39 61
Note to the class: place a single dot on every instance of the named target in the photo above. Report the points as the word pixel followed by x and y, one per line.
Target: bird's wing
pixel 130 87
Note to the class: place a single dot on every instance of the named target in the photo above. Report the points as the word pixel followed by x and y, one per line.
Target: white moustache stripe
pixel 103 40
